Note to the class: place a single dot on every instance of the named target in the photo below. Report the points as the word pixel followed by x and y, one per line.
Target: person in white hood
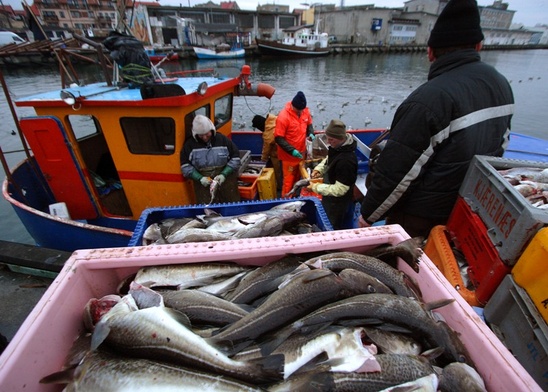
pixel 209 156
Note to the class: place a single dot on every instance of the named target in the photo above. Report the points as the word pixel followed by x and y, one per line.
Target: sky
pixel 528 12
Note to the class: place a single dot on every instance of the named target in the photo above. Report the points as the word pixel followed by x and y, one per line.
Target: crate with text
pixel 512 219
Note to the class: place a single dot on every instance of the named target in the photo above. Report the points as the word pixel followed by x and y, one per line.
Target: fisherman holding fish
pixel 293 125
pixel 464 109
pixel 339 171
pixel 212 160
pixel 267 125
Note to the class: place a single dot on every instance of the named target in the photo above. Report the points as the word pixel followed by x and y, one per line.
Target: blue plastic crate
pixel 312 208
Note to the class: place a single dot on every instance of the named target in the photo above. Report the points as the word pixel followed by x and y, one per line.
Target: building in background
pixel 211 24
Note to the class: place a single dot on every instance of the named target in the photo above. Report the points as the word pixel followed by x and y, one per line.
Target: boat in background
pixel 298 41
pixel 161 57
pixel 223 51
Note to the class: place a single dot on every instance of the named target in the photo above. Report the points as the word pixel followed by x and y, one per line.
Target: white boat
pixel 220 52
pixel 297 41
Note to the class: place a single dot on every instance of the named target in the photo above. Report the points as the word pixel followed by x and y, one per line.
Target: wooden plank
pixel 30 256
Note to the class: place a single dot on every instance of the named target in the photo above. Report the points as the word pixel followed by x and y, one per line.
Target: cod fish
pixel 408 250
pixel 343 349
pixel 392 342
pixel 459 376
pixel 263 280
pixel 305 292
pixel 395 370
pixel 203 308
pixel 398 281
pixel 183 235
pixel 183 276
pixel 104 371
pixel 161 333
pixel 394 309
pixel 296 190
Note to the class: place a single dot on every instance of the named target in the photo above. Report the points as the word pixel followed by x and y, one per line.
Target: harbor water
pixel 363 90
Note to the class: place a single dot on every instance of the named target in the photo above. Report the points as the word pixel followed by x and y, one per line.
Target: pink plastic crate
pixel 40 346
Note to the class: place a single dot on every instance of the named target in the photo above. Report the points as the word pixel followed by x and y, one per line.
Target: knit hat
pixel 258 122
pixel 299 101
pixel 336 129
pixel 458 24
pixel 202 125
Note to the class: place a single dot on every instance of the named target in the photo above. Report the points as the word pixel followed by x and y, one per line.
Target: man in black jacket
pixel 464 109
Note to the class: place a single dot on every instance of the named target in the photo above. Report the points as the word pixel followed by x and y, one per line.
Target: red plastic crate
pixel 248 192
pixel 486 269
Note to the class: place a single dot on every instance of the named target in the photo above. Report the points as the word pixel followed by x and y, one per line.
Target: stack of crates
pixel 491 224
pixel 504 240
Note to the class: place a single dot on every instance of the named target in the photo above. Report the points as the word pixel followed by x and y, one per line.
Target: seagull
pixel 13 132
pixel 358 99
pixel 345 104
pixel 392 106
pixel 367 121
pixel 384 110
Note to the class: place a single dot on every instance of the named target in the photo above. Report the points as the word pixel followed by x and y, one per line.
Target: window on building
pixel 62 14
pixel 149 135
pixel 266 21
pixel 286 22
pixel 244 21
pixel 220 18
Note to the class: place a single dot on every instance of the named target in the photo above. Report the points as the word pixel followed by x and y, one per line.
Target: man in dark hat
pixel 339 172
pixel 293 125
pixel 464 109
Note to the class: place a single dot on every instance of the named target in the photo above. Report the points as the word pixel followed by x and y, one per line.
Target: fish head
pixel 357 282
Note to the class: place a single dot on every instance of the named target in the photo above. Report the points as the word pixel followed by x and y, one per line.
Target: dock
pixel 26 272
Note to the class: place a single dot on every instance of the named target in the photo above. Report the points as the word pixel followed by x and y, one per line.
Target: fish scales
pixel 305 292
pixel 395 369
pixel 396 280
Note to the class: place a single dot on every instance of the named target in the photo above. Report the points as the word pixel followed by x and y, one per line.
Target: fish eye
pixel 462 358
pixel 371 289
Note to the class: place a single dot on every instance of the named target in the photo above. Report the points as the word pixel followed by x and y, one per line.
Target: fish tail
pixel 271 343
pixel 270 368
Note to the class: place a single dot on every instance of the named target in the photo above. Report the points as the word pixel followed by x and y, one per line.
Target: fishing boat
pixel 297 41
pixel 220 52
pixel 105 152
pixel 157 57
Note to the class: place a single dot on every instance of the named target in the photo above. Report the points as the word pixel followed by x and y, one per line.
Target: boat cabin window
pixel 223 110
pixel 204 111
pixel 84 126
pixel 149 135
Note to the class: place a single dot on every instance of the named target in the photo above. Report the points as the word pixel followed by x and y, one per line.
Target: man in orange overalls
pixel 293 125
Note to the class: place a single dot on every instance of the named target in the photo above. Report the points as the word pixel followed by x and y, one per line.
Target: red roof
pixel 229 5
